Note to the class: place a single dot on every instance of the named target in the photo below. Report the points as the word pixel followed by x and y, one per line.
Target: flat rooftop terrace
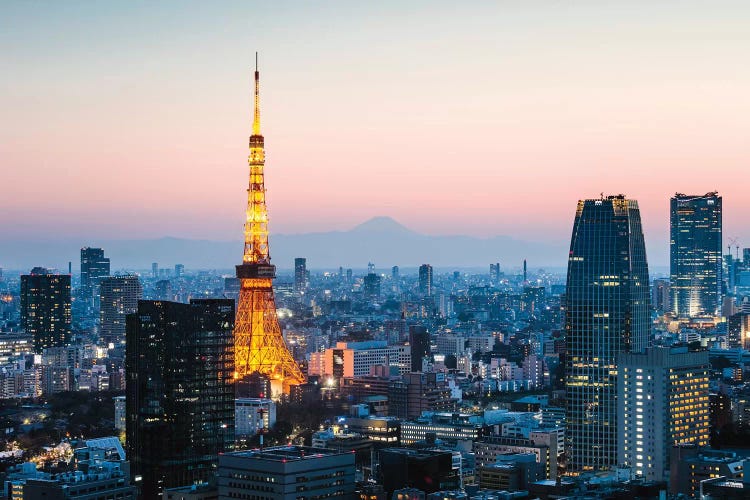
pixel 287 453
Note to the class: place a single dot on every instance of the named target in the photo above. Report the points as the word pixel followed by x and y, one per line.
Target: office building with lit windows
pixel 286 473
pixel 355 359
pixel 253 414
pixel 662 401
pixel 180 398
pixel 450 427
pixel 119 297
pixel 300 274
pixel 45 308
pixel 94 266
pixel 425 279
pixel 607 306
pixel 695 255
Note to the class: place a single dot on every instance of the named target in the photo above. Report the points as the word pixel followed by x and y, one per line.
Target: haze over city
pixel 486 120
pixel 343 250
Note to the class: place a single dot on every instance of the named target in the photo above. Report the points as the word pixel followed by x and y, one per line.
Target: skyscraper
pixel 606 313
pixel 45 308
pixel 495 273
pixel 180 391
pixel 425 279
pixel 660 295
pixel 94 266
pixel 662 401
pixel 419 341
pixel 119 296
pixel 371 286
pixel 300 274
pixel 695 254
pixel 259 346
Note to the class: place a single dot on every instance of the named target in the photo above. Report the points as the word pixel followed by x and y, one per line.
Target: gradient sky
pixel 130 119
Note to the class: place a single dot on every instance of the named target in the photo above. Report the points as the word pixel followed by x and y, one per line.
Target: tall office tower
pixel 662 401
pixel 395 273
pixel 525 274
pixel 728 273
pixel 45 308
pixel 695 254
pixel 154 269
pixel 746 258
pixel 180 391
pixel 94 266
pixel 606 313
pixel 425 279
pixel 660 295
pixel 300 274
pixel 738 330
pixel 259 346
pixel 371 286
pixel 179 270
pixel 495 273
pixel 119 296
pixel 419 341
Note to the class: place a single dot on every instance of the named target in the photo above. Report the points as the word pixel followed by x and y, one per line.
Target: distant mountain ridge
pixel 380 240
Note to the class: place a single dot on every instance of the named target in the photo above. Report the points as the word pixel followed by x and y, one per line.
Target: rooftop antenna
pixel 256 115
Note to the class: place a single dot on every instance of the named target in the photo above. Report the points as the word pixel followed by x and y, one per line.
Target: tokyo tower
pixel 258 344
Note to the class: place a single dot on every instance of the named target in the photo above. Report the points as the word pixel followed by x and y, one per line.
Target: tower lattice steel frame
pixel 259 345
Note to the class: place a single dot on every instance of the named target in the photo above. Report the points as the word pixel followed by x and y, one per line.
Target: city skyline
pixel 641 118
pixel 409 328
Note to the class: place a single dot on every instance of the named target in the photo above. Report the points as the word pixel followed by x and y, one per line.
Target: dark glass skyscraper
pixel 695 254
pixel 300 274
pixel 419 341
pixel 45 308
pixel 425 279
pixel 180 391
pixel 607 312
pixel 94 266
pixel 119 297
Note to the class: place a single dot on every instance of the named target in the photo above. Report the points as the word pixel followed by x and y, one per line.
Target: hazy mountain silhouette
pixel 380 240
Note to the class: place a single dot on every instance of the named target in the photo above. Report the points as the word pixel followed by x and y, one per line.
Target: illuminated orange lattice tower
pixel 258 344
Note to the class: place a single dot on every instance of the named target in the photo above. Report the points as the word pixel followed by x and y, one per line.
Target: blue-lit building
pixel 695 255
pixel 607 308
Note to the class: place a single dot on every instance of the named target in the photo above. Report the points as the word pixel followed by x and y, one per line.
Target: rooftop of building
pixel 256 401
pixel 448 418
pixel 532 400
pixel 415 452
pixel 286 453
pixel 193 488
pixel 107 443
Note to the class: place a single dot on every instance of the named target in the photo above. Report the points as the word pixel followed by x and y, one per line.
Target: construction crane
pixel 733 241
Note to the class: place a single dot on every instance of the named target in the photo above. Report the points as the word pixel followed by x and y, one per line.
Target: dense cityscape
pixel 300 381
pixel 418 383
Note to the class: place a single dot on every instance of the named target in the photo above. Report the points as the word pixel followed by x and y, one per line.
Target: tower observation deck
pixel 259 345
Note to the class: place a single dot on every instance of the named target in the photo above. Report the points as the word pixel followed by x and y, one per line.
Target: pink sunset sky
pixel 130 119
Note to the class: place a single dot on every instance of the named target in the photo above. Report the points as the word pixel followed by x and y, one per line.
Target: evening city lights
pixel 374 251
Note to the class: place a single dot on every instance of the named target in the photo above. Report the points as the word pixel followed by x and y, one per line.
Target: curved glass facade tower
pixel 606 313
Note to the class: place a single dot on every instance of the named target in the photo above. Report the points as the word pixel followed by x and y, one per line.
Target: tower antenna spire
pixel 256 115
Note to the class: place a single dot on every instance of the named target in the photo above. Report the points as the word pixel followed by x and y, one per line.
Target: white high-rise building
pixel 253 414
pixel 662 401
